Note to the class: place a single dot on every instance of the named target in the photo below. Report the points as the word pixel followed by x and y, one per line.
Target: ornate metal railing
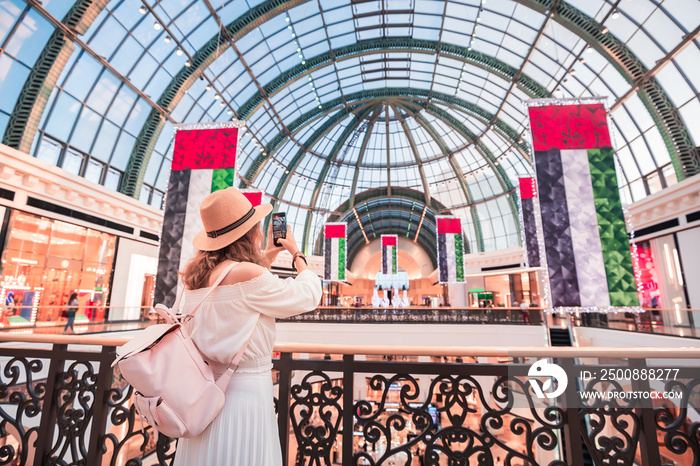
pixel 420 315
pixel 61 403
pixel 672 322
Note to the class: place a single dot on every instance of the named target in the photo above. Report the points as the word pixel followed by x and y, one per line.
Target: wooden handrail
pixel 485 351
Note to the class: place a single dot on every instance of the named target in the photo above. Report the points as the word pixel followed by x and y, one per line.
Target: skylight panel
pixel 459 25
pixel 399 31
pixel 320 47
pixel 639 113
pixel 143 71
pixel 250 40
pixel 490 35
pixel 486 105
pixel 203 33
pixel 685 12
pixel 106 40
pixel 485 47
pixel 333 13
pixel 492 17
pixel 105 89
pixel 590 7
pixel 639 11
pixel 125 13
pixel 190 18
pixel 622 28
pixel 341 40
pixel 657 146
pixel 370 34
pixel 509 57
pixel 645 49
pixel 640 151
pixel 425 34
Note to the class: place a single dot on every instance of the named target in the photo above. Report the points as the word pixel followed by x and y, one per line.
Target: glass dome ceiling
pixel 345 96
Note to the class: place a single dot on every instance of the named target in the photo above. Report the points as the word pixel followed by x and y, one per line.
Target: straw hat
pixel 227 215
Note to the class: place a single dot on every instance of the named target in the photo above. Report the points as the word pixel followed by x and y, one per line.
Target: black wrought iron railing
pixel 61 403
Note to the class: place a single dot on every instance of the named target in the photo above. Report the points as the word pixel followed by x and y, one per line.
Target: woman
pixel 71 309
pixel 249 298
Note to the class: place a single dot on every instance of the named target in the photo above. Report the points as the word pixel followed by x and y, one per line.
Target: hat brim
pixel 204 243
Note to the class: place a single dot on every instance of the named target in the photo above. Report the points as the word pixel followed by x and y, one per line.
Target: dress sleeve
pixel 286 297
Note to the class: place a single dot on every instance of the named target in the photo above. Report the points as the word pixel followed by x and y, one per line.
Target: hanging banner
pixel 450 246
pixel 528 193
pixel 204 161
pixel 254 196
pixel 334 256
pixel 586 246
pixel 390 262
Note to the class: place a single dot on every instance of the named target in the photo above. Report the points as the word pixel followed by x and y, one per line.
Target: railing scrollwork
pixel 61 406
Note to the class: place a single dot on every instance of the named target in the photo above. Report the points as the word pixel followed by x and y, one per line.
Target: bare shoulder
pixel 243 272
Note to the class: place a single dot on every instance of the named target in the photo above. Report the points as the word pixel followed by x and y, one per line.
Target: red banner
pixel 205 148
pixel 389 240
pixel 569 127
pixel 527 188
pixel 449 225
pixel 335 231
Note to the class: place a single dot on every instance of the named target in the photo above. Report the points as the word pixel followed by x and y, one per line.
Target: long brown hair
pixel 196 273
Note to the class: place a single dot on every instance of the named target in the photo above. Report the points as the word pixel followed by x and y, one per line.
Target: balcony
pixel 61 403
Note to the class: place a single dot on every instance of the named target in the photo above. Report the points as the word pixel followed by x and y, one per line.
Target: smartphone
pixel 279 227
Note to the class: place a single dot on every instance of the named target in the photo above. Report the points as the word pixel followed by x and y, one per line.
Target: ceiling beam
pixel 458 173
pixel 360 156
pixel 679 142
pixel 183 80
pixel 31 102
pixel 377 95
pixel 501 175
pixel 393 45
pixel 639 83
pixel 340 142
pixel 229 38
pixel 362 227
pixel 414 151
pixel 388 150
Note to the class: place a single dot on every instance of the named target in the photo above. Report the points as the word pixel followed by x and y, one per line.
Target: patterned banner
pixel 390 261
pixel 585 236
pixel 450 246
pixel 335 235
pixel 528 192
pixel 204 159
pixel 255 197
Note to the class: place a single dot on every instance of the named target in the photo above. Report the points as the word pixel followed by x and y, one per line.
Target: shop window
pixel 43 261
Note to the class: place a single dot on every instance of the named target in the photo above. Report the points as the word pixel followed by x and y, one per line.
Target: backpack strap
pixel 219 279
pixel 224 379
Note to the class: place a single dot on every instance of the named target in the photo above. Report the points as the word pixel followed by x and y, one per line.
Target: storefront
pixel 504 290
pixel 44 261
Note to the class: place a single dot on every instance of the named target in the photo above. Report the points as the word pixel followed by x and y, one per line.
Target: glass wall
pixel 44 261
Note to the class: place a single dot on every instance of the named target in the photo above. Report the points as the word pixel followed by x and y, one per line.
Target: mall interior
pixel 387 116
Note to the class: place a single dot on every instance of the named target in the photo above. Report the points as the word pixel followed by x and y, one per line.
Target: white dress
pixel 245 432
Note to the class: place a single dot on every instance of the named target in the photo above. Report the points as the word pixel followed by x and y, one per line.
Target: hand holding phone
pixel 279 227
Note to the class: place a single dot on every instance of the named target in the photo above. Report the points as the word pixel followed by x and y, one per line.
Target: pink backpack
pixel 175 390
